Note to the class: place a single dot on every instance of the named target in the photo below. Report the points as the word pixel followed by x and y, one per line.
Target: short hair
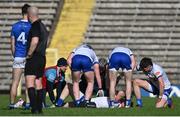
pixel 102 62
pixel 145 62
pixel 61 62
pixel 25 8
pixel 89 46
pixel 102 65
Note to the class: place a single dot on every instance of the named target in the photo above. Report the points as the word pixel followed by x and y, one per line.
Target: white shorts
pixel 19 62
pixel 120 70
pixel 101 102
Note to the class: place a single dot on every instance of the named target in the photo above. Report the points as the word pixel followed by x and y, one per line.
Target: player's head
pixel 33 13
pixel 62 63
pixel 25 9
pixel 87 46
pixel 146 64
pixel 102 64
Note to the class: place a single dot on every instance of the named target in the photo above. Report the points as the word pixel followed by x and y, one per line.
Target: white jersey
pixel 101 102
pixel 157 72
pixel 86 51
pixel 121 49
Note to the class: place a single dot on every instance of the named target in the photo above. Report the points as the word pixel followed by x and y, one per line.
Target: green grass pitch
pixel 148 110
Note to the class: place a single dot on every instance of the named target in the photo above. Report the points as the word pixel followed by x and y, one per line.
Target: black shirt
pixel 39 30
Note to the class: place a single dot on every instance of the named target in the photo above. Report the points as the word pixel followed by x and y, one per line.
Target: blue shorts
pixel 81 63
pixel 120 60
pixel 167 92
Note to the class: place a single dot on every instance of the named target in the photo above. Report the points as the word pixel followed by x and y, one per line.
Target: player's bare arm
pixel 69 59
pixel 98 78
pixel 97 75
pixel 33 46
pixel 161 87
pixel 12 45
pixel 133 64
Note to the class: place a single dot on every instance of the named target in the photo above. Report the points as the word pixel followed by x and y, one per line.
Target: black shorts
pixel 35 66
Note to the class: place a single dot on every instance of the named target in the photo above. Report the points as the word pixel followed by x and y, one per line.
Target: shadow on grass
pixel 5 108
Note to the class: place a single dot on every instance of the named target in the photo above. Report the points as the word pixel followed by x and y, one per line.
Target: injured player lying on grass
pixel 96 102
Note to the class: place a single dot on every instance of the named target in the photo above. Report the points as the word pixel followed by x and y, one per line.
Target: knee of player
pixel 159 106
pixel 136 82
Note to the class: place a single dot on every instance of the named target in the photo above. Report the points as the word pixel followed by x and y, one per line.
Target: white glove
pixel 100 93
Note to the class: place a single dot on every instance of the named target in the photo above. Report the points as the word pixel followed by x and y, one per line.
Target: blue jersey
pixel 19 32
pixel 51 73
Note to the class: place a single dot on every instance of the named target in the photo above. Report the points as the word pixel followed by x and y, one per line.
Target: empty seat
pixel 150 28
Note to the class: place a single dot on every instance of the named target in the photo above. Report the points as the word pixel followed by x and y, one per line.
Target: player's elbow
pixel 96 65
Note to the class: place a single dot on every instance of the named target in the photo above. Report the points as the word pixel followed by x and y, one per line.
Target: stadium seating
pixel 151 28
pixel 74 20
pixel 70 29
pixel 11 13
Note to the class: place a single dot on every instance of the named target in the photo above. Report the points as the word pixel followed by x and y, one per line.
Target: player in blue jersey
pixel 19 35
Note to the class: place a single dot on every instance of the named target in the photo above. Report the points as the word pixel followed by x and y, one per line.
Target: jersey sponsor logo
pixel 157 73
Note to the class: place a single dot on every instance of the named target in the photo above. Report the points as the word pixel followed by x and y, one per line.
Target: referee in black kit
pixel 35 60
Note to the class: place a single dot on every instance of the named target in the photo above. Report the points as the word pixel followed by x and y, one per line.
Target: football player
pixel 157 83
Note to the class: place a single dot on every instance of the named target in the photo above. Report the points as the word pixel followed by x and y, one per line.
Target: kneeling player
pixel 157 83
pixel 54 77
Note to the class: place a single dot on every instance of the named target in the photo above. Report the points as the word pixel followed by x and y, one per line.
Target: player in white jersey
pixel 121 58
pixel 84 60
pixel 157 83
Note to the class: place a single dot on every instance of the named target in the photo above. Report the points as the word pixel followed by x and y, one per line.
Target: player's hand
pixel 55 81
pixel 28 57
pixel 158 100
pixel 100 93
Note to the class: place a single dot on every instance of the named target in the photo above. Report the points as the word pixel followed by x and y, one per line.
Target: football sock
pixel 82 99
pixel 128 102
pixel 44 97
pixel 77 103
pixel 32 98
pixel 111 103
pixel 60 102
pixel 169 102
pixel 139 102
pixel 11 106
pixel 39 100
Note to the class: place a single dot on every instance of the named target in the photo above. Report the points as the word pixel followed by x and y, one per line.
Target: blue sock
pixel 139 102
pixel 27 106
pixel 128 102
pixel 82 99
pixel 169 102
pixel 77 102
pixel 60 102
pixel 111 102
